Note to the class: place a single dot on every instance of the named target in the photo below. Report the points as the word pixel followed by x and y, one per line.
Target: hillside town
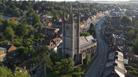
pixel 68 39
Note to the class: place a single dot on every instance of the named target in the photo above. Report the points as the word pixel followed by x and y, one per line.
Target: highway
pixel 97 67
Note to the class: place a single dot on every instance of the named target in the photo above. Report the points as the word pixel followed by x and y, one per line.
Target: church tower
pixel 71 34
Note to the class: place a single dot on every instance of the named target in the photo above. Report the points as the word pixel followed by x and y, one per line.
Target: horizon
pixel 82 0
pixel 87 1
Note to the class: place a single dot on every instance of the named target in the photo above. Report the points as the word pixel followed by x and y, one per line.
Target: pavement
pixel 97 67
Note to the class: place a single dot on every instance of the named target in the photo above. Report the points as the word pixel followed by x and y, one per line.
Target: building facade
pixel 71 36
pixel 74 45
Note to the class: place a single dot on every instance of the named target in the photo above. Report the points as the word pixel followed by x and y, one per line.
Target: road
pixel 97 67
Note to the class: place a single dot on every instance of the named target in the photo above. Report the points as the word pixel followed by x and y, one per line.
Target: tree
pixel 21 73
pixel 22 50
pixel 1 20
pixel 5 72
pixel 125 21
pixel 11 9
pixel 27 42
pixel 12 22
pixel 56 64
pixel 22 29
pixel 44 59
pixel 135 46
pixel 135 22
pixel 131 34
pixel 9 33
pixel 92 30
pixel 17 41
pixel 84 34
pixel 25 5
pixel 36 19
pixel 64 67
pixel 33 18
pixel 87 60
pixel 5 42
pixel 77 72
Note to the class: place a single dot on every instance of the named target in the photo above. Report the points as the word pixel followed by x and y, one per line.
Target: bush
pixel 84 34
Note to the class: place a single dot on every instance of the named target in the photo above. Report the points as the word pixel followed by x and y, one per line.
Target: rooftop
pixel 86 42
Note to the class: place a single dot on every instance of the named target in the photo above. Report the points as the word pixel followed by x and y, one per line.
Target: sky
pixel 77 0
pixel 89 0
pixel 111 0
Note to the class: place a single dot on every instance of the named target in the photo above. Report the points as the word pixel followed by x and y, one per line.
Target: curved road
pixel 97 67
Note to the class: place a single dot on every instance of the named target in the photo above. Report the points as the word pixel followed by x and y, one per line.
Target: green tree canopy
pixel 135 22
pixel 24 73
pixel 5 72
pixel 22 29
pixel 64 67
pixel 9 33
pixel 45 57
pixel 131 33
pixel 36 19
pixel 1 20
pixel 135 46
pixel 84 34
pixel 125 21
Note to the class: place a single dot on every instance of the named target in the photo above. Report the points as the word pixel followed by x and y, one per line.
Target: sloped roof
pixel 120 56
pixel 12 48
pixel 86 41
pixel 89 38
pixel 2 51
pixel 120 68
pixel 9 48
pixel 120 72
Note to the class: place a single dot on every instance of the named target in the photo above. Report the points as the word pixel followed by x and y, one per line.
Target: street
pixel 97 67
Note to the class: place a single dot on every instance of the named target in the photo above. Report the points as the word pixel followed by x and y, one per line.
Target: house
pixel 5 50
pixel 53 38
pixel 120 68
pixel 133 58
pixel 115 65
pixel 2 54
pixel 85 24
pixel 54 43
pixel 50 32
pixel 49 24
pixel 9 48
pixel 58 23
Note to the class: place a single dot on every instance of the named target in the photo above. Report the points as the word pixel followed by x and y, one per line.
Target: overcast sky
pixel 81 0
pixel 86 0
